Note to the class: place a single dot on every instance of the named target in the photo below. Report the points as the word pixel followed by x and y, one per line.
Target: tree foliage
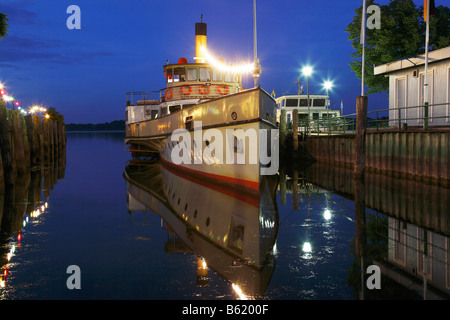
pixel 3 25
pixel 55 115
pixel 402 35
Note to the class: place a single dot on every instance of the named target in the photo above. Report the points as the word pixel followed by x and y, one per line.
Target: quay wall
pixel 420 155
pixel 27 141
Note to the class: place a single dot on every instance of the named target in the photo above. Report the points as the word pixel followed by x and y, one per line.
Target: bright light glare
pixel 227 68
pixel 239 292
pixel 306 247
pixel 328 85
pixel 8 98
pixel 327 214
pixel 307 71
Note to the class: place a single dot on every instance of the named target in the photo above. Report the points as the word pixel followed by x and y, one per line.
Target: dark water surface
pixel 131 253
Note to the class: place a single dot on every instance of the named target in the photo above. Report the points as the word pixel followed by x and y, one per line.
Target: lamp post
pixel 328 85
pixel 307 71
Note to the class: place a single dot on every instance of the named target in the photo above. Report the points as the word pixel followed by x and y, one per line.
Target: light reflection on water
pixel 127 252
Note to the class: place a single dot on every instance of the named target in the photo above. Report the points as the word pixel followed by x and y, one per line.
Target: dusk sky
pixel 122 46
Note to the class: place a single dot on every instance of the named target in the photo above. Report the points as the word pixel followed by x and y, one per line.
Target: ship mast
pixel 257 71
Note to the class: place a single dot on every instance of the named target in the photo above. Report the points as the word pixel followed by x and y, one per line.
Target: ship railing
pixel 418 118
pixel 135 98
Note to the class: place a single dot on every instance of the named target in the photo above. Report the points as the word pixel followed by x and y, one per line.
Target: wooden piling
pixel 360 135
pixel 283 128
pixel 295 129
pixel 18 144
pixel 5 146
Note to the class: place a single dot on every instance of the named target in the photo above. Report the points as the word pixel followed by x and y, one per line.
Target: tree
pixel 3 25
pixel 55 115
pixel 402 35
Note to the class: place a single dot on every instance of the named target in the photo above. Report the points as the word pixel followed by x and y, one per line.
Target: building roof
pixel 413 62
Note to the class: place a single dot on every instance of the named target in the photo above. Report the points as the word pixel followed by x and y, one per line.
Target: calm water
pixel 126 251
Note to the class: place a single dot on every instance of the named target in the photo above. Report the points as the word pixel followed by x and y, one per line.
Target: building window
pixel 399 229
pixel 424 252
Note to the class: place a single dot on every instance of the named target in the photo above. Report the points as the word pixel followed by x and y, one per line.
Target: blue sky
pixel 122 46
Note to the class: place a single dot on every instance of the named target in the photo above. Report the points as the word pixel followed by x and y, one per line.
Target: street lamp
pixel 307 71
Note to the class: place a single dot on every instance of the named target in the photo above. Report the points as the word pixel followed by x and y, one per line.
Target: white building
pixel 406 88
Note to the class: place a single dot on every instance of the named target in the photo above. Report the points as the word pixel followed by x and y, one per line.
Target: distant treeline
pixel 107 126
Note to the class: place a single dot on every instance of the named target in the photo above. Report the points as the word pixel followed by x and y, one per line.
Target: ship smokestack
pixel 200 41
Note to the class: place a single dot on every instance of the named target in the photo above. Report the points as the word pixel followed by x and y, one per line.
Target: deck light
pixel 223 67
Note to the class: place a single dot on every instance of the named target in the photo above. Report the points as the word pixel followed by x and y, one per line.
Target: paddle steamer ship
pixel 204 98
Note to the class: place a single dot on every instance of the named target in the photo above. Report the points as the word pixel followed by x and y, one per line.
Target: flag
pixel 363 24
pixel 273 93
pixel 425 9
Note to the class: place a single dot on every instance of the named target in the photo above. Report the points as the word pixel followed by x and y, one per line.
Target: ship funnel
pixel 200 41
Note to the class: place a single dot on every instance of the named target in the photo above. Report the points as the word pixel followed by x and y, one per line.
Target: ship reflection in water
pixel 307 234
pixel 231 231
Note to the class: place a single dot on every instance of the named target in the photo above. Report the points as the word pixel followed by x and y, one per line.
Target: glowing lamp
pixel 328 85
pixel 307 71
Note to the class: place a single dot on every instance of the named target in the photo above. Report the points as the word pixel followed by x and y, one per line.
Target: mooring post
pixel 360 135
pixel 283 128
pixel 5 146
pixel 295 129
pixel 17 138
pixel 282 186
pixel 295 203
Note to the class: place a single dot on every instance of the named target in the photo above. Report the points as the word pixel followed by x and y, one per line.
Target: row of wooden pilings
pixel 27 141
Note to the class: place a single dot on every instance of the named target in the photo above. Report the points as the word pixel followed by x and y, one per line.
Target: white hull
pixel 249 112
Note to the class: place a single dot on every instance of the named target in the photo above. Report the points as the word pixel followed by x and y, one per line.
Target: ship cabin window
pixel 179 74
pixel 304 102
pixel 154 114
pixel 172 109
pixel 217 75
pixel 315 115
pixel 291 102
pixel 191 74
pixel 205 74
pixel 319 103
pixel 163 111
pixel 185 106
pixel 169 75
pixel 283 103
pixel 230 77
pixel 302 116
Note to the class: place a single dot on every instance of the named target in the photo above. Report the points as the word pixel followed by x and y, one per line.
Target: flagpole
pixel 425 85
pixel 363 42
